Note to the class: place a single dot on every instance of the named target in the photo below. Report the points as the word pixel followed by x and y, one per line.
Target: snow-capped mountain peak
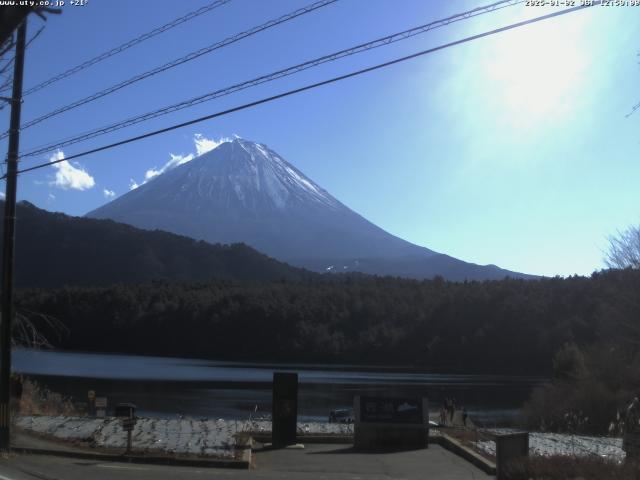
pixel 278 179
pixel 242 191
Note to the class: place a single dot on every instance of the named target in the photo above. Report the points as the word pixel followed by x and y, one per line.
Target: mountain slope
pixel 244 192
pixel 53 249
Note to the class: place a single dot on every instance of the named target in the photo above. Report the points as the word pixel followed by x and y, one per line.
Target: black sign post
pixel 284 415
pixel 127 414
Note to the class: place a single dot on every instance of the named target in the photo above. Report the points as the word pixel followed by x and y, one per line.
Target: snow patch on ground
pixel 185 436
pixel 548 444
pixel 305 428
pixel 217 437
pixel 178 435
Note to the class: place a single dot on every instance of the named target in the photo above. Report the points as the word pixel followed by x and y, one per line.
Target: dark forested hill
pixel 53 249
pixel 492 326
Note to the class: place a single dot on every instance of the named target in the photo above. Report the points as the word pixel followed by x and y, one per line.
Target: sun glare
pixel 535 71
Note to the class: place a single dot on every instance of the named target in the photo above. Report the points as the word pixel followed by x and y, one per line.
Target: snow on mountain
pixel 242 191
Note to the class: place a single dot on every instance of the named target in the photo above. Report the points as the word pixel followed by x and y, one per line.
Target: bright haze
pixel 512 150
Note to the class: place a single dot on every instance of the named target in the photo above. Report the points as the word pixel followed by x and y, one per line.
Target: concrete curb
pixel 339 439
pixel 445 441
pixel 243 463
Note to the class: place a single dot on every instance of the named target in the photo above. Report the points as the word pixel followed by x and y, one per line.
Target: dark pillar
pixel 284 413
pixel 6 295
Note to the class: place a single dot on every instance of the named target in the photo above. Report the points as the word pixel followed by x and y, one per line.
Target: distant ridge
pixel 53 249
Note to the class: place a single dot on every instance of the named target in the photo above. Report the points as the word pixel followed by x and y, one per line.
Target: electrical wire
pixel 126 46
pixel 313 85
pixel 179 61
pixel 273 76
pixel 12 59
pixel 10 62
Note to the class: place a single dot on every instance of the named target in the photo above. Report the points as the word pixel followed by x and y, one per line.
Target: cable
pixel 313 85
pixel 273 76
pixel 179 61
pixel 127 45
pixel 4 68
pixel 12 59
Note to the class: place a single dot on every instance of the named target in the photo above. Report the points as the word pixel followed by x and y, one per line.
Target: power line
pixel 125 46
pixel 274 76
pixel 313 85
pixel 179 61
pixel 10 62
pixel 12 59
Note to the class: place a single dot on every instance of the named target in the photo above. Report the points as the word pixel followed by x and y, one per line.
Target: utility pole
pixel 6 295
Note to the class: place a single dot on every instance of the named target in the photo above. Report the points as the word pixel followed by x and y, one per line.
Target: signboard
pixel 390 410
pixel 284 409
pixel 100 406
pixel 384 423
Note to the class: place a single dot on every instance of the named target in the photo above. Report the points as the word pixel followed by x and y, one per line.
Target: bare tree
pixel 28 329
pixel 624 249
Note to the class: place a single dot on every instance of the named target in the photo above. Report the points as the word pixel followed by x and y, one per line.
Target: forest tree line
pixel 507 326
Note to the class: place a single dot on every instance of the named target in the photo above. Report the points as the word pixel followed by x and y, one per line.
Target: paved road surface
pixel 323 462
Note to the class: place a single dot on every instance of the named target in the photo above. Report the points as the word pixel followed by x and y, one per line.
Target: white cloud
pixel 69 176
pixel 150 174
pixel 108 193
pixel 203 145
pixel 2 195
pixel 51 198
pixel 175 161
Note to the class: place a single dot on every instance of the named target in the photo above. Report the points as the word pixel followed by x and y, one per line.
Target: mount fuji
pixel 243 191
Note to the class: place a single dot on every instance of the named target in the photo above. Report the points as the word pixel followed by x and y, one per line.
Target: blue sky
pixel 512 150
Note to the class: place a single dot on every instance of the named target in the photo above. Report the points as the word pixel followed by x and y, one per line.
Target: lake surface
pixel 162 386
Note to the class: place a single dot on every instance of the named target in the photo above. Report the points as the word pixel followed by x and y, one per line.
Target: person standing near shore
pixel 447 408
pixel 443 416
pixel 452 410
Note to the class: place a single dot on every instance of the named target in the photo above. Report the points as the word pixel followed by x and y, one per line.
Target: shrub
pixel 39 400
pixel 565 468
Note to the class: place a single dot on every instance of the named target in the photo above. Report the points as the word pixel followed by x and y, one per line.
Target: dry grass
pixel 39 400
pixel 571 468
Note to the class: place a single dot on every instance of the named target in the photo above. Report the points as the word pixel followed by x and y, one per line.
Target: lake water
pixel 162 386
